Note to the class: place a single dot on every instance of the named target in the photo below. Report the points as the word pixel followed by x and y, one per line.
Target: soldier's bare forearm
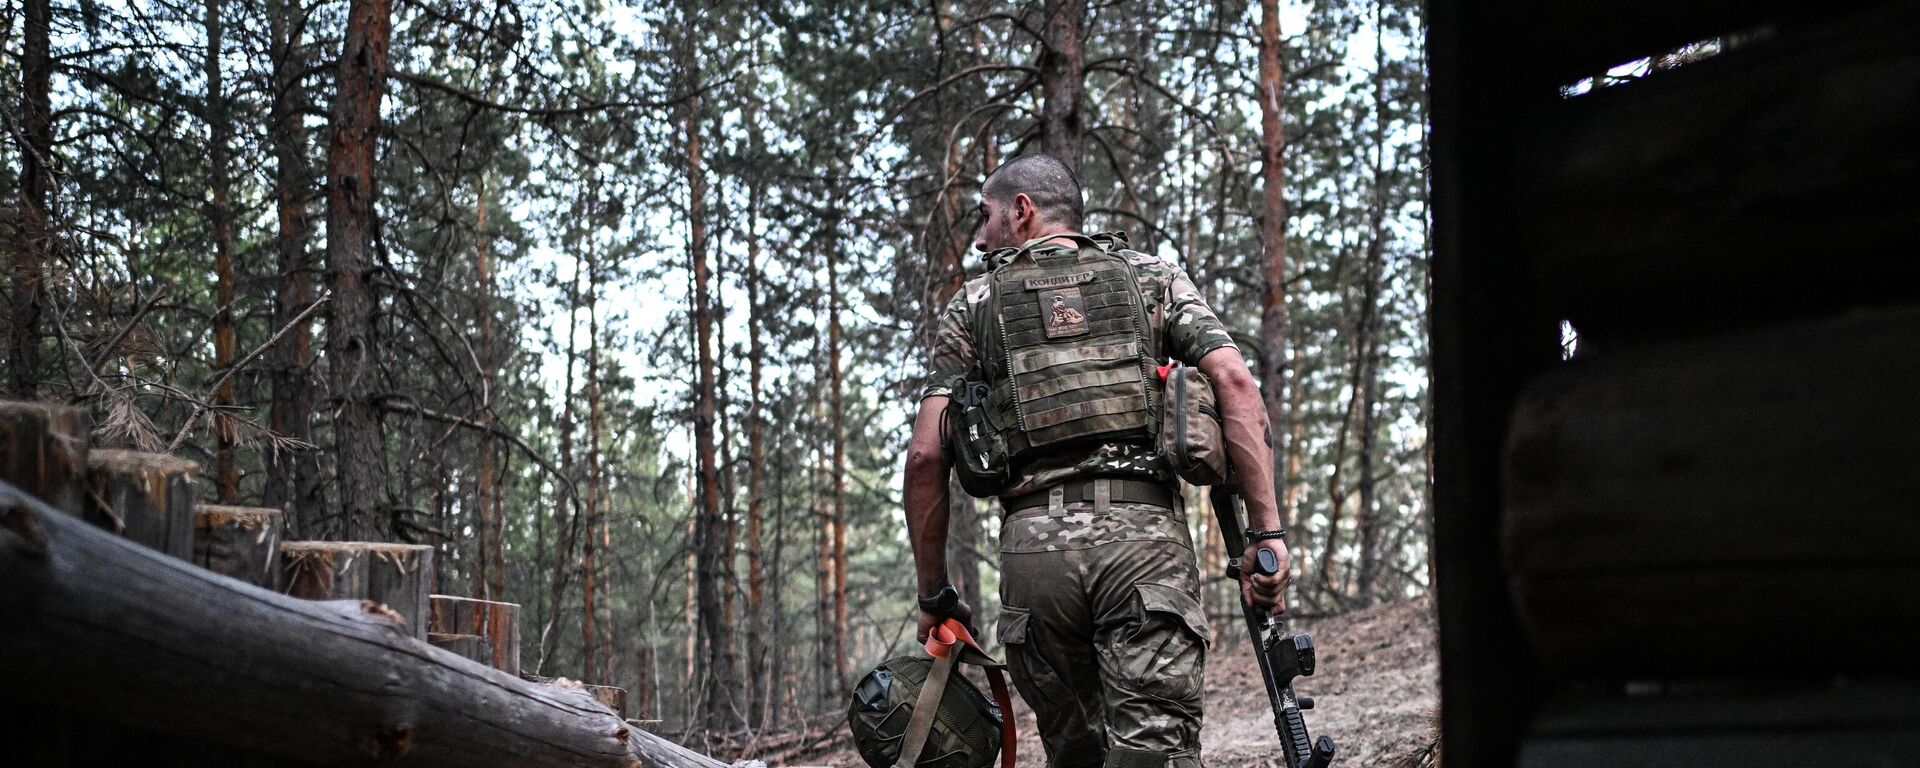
pixel 1246 430
pixel 925 497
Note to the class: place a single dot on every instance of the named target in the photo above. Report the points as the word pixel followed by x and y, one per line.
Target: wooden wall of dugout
pixel 1691 543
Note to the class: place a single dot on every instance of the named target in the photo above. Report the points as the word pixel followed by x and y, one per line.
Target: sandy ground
pixel 1375 691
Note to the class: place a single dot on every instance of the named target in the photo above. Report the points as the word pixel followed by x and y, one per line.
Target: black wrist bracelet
pixel 1254 534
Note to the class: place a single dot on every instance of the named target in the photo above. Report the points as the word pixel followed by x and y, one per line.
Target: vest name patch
pixel 1065 311
pixel 1059 281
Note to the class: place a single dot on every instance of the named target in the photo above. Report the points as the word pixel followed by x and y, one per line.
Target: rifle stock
pixel 1282 656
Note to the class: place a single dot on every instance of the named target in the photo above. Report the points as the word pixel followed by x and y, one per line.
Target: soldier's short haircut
pixel 1044 179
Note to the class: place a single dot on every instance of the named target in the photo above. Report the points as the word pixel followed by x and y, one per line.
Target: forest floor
pixel 1376 689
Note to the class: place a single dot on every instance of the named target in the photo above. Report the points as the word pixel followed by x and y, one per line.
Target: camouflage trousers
pixel 1104 634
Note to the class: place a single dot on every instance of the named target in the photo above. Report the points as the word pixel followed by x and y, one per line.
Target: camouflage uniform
pixel 1103 629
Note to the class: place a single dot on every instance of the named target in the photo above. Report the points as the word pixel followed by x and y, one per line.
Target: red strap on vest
pixel 950 636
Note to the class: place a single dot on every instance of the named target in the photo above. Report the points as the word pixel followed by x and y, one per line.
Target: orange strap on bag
pixel 949 643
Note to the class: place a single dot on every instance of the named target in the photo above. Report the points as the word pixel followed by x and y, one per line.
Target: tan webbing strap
pixel 950 643
pixel 925 708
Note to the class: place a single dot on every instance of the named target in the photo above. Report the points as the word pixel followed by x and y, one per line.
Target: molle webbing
pixel 1069 327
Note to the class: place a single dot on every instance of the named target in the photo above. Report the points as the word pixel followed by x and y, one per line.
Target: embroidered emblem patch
pixel 1066 312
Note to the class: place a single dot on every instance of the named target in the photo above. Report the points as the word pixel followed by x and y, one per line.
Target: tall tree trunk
pixel 822 513
pixel 1336 492
pixel 1063 81
pixel 492 558
pixel 226 473
pixel 589 542
pixel 776 686
pixel 757 682
pixel 709 533
pixel 293 480
pixel 839 525
pixel 36 198
pixel 1367 516
pixel 724 440
pixel 948 264
pixel 1277 360
pixel 360 452
pixel 568 513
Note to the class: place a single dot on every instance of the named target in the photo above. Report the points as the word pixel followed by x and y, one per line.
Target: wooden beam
pixel 43 451
pixel 1778 180
pixel 1489 337
pixel 1723 506
pixel 99 625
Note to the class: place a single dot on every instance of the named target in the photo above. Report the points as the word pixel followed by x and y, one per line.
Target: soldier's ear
pixel 1023 209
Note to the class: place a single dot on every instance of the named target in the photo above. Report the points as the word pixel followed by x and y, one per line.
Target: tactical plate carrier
pixel 1064 360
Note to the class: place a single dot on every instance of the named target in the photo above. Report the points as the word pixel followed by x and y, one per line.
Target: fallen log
pixel 146 497
pixel 396 575
pixel 609 696
pixel 496 621
pixel 242 542
pixel 43 451
pixel 473 648
pixel 96 624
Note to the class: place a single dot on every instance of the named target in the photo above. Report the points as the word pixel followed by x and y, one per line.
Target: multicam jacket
pixel 1180 325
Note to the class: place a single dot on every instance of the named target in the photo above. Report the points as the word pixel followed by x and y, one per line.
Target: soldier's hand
pixel 1266 591
pixel 961 611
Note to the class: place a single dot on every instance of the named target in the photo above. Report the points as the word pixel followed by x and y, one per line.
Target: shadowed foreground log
pixel 43 450
pixel 146 497
pixel 96 624
pixel 242 542
pixel 396 575
pixel 496 621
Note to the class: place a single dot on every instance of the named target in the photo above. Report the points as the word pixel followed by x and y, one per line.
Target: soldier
pixel 1102 624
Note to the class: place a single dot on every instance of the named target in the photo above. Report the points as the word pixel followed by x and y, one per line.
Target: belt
pixel 1122 490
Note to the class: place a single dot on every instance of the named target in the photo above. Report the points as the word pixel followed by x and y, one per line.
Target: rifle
pixel 1282 656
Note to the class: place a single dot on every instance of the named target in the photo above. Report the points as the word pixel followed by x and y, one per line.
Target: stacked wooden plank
pixel 1692 543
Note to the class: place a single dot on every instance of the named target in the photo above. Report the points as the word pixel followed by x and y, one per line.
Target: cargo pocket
pixel 1162 652
pixel 1037 681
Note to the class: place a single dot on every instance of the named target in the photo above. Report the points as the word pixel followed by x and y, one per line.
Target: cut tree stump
pixel 496 621
pixel 96 624
pixel 395 575
pixel 146 497
pixel 242 542
pixel 613 698
pixel 471 647
pixel 43 451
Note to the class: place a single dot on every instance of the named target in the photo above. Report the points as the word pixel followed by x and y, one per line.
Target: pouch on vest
pixel 1066 338
pixel 979 452
pixel 1191 438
